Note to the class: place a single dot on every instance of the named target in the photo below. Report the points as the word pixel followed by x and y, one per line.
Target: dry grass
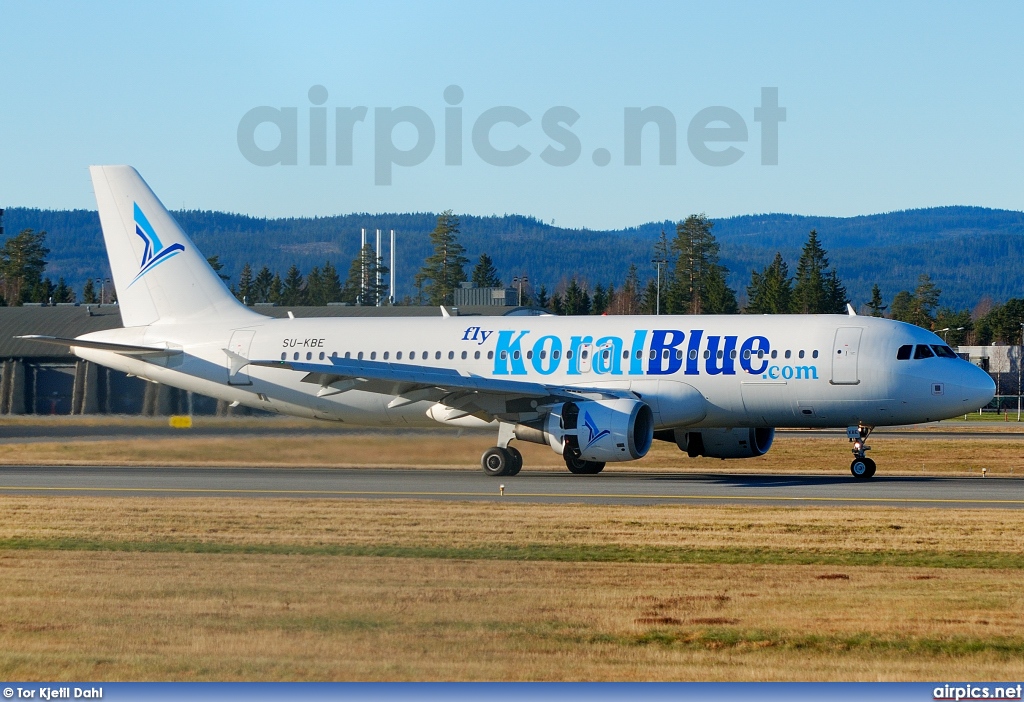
pixel 812 454
pixel 468 525
pixel 118 616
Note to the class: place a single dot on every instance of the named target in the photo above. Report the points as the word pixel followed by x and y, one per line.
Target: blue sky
pixel 887 107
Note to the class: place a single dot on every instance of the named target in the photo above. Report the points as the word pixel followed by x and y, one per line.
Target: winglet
pixel 444 312
pixel 850 311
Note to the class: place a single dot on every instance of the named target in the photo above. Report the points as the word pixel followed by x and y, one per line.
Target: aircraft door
pixel 238 353
pixel 586 360
pixel 844 356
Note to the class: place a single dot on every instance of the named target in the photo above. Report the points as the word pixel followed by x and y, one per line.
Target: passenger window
pixel 606 354
pixel 720 354
pixel 348 354
pixel 746 354
pixel 543 354
pixel 903 354
pixel 283 355
pixel 529 354
pixel 490 355
pixel 398 356
pixel 801 354
pixel 373 355
pixel 654 354
pixel 922 351
pixel 625 355
pixel 679 354
pixel 707 353
pixel 814 354
pixel 555 354
pixel 476 354
pixel 360 355
pixel 451 355
pixel 309 355
pixel 583 354
pixel 437 355
pixel 386 355
pixel 295 357
pixel 334 354
pixel 568 354
pixel 664 354
pixel 693 354
pixel 943 351
pixel 732 354
pixel 515 355
pixel 464 354
pixel 504 355
pixel 775 354
pixel 321 355
pixel 788 353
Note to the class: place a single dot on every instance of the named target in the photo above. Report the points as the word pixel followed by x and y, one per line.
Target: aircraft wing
pixel 474 394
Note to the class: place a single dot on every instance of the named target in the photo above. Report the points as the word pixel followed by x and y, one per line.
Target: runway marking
pixel 399 493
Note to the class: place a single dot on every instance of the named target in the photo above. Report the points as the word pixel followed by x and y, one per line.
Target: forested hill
pixel 970 252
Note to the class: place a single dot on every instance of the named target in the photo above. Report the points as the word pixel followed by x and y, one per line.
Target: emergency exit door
pixel 238 354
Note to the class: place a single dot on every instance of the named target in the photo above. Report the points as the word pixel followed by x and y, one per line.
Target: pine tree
pixel 698 282
pixel 276 290
pixel 485 275
pixel 818 289
pixel 217 267
pixel 361 286
pixel 576 299
pixel 543 301
pixel 599 301
pixel 89 296
pixel 925 301
pixel 63 293
pixel 293 293
pixel 262 286
pixel 649 298
pixel 877 309
pixel 444 269
pixel 771 290
pixel 314 288
pixel 22 261
pixel 330 284
pixel 245 285
pixel 903 306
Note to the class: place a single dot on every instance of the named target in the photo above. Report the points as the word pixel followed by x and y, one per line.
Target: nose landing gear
pixel 862 467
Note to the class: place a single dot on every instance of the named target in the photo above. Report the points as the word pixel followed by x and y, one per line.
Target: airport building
pixel 40 378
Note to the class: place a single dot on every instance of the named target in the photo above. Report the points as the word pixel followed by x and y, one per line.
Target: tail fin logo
pixel 154 252
pixel 595 433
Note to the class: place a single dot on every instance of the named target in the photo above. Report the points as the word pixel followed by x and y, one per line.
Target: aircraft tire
pixel 516 462
pixel 496 461
pixel 862 468
pixel 579 466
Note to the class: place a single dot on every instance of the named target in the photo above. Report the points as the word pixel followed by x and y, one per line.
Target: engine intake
pixel 725 443
pixel 598 430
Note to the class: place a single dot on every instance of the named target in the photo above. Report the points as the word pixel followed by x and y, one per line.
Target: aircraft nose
pixel 977 387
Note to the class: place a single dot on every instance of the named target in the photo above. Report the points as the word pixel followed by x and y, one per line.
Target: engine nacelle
pixel 725 443
pixel 598 430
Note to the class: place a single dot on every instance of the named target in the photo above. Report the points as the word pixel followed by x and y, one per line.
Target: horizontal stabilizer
pixel 123 349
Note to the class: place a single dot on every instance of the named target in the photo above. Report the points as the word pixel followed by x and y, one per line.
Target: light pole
pixel 948 329
pixel 658 263
pixel 101 282
pixel 520 281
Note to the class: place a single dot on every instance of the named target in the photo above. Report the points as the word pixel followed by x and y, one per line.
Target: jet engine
pixel 594 430
pixel 725 443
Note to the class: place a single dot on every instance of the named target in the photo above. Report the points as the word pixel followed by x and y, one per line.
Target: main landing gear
pixel 862 467
pixel 578 466
pixel 502 459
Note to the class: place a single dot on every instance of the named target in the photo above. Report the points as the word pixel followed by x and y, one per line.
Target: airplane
pixel 595 389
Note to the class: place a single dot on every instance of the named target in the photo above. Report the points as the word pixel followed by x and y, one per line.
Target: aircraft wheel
pixel 579 466
pixel 515 462
pixel 862 468
pixel 496 461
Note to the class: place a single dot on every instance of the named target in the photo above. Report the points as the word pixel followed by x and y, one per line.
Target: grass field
pixel 142 588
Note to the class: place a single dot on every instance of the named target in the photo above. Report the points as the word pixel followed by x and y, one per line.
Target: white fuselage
pixel 750 371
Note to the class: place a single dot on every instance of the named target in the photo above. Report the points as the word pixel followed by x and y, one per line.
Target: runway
pixel 622 488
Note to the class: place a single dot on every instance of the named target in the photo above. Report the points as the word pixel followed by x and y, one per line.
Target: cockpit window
pixel 943 351
pixel 904 352
pixel 923 351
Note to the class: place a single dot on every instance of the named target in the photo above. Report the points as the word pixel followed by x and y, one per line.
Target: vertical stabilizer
pixel 159 274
